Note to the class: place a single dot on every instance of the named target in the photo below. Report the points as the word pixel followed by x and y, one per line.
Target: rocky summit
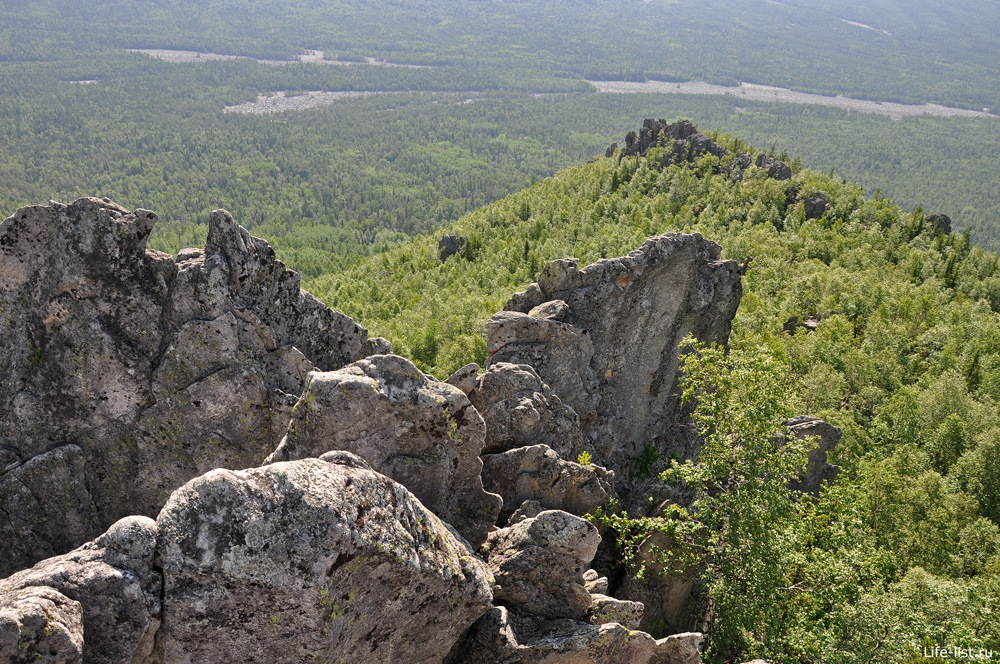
pixel 199 462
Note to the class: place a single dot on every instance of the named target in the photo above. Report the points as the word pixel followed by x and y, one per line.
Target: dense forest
pixel 903 353
pixel 502 100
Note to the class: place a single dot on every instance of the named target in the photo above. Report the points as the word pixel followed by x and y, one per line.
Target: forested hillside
pixel 887 325
pixel 499 98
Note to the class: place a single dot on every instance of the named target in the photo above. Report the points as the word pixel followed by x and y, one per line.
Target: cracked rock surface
pixel 310 559
pixel 409 426
pixel 609 346
pixel 127 371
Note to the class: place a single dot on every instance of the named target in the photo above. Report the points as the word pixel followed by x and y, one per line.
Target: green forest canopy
pixel 904 549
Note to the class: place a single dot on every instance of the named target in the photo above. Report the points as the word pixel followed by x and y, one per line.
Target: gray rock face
pixel 776 169
pixel 614 356
pixel 519 409
pixel 539 562
pixel 818 470
pixel 939 223
pixel 815 206
pixel 664 593
pixel 684 142
pixel 413 428
pixel 503 636
pixel 595 583
pixel 40 624
pixel 449 245
pixel 309 559
pixel 604 609
pixel 465 378
pixel 683 648
pixel 739 165
pixel 101 600
pixel 128 372
pixel 537 473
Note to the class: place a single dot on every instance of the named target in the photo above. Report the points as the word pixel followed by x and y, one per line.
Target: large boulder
pixel 537 473
pixel 99 604
pixel 682 648
pixel 128 371
pixel 409 426
pixel 776 169
pixel 519 409
pixel 312 560
pixel 612 352
pixel 449 245
pixel 538 564
pixel 818 470
pixel 503 636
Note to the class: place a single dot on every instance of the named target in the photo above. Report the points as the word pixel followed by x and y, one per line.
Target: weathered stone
pixel 526 300
pixel 538 564
pixel 40 624
pixel 50 494
pixel 683 648
pixel 411 427
pixel 306 559
pixel 519 409
pixel 502 636
pixel 529 509
pixel 738 166
pixel 665 592
pixel 538 473
pixel 818 470
pixel 604 610
pixel 554 310
pixel 615 358
pixel 127 372
pixel 684 142
pixel 610 152
pixel 595 583
pixel 815 206
pixel 776 169
pixel 115 585
pixel 465 378
pixel 939 223
pixel 449 245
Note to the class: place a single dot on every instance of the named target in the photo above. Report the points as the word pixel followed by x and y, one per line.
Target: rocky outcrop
pixel 939 223
pixel 128 372
pixel 683 648
pixel 99 604
pixel 357 540
pixel 318 558
pixel 504 636
pixel 519 409
pixel 664 591
pixel 815 206
pixel 605 609
pixel 776 169
pixel 449 245
pixel 682 140
pixel 308 559
pixel 538 474
pixel 818 470
pixel 538 564
pixel 608 347
pixel 409 426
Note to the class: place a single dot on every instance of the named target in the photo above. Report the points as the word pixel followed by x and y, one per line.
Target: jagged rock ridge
pixel 369 552
pixel 605 338
pixel 128 372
